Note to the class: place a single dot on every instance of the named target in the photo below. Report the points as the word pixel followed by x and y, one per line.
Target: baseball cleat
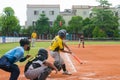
pixel 67 73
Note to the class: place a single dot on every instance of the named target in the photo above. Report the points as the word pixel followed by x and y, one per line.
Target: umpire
pixel 8 60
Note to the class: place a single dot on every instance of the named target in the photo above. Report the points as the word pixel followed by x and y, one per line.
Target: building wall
pixel 81 10
pixel 67 18
pixel 77 10
pixel 67 15
pixel 118 12
pixel 34 11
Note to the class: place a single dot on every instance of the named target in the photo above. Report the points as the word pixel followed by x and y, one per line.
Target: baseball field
pixel 101 61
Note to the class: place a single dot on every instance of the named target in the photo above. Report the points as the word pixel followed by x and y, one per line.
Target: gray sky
pixel 19 6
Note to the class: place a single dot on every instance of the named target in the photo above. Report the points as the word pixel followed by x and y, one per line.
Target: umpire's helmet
pixel 42 54
pixel 62 33
pixel 24 42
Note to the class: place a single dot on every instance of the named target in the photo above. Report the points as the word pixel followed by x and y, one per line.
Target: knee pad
pixel 58 65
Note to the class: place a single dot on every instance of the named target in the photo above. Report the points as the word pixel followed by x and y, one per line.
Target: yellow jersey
pixel 34 35
pixel 57 44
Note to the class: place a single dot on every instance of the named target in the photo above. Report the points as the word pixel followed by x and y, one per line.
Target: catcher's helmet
pixel 62 33
pixel 24 41
pixel 42 54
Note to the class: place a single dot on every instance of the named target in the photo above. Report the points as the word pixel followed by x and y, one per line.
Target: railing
pixel 4 39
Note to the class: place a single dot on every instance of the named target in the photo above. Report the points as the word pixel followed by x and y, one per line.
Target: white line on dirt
pixel 69 60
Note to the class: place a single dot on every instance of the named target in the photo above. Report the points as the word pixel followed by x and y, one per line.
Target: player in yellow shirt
pixel 33 38
pixel 57 46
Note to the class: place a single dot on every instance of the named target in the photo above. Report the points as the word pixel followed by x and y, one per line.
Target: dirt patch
pixel 100 62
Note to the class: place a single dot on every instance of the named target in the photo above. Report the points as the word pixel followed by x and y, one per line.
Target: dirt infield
pixel 100 62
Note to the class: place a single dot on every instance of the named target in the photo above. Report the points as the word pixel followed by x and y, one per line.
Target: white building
pixel 67 15
pixel 51 11
pixel 81 10
pixel 118 13
pixel 34 11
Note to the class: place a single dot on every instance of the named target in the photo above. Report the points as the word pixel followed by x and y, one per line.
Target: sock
pixel 64 67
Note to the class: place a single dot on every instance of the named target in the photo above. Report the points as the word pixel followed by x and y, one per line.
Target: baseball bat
pixel 76 58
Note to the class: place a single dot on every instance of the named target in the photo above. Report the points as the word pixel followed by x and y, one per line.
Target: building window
pixel 84 12
pixel 43 12
pixel 36 12
pixel 51 23
pixel 33 23
pixel 51 12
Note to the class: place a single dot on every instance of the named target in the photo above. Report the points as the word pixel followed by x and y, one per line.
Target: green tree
pixel 75 24
pixel 104 3
pixel 0 23
pixel 88 27
pixel 9 22
pixel 105 19
pixel 42 24
pixel 98 33
pixel 59 23
pixel 27 31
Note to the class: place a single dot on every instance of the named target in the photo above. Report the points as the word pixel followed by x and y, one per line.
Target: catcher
pixel 39 68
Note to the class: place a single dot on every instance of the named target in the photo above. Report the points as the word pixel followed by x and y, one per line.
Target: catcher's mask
pixel 42 54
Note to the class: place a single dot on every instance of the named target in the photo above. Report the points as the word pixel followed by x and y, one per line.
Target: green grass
pixel 7 46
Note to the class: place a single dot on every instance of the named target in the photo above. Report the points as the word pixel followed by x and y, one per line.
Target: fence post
pixel 3 39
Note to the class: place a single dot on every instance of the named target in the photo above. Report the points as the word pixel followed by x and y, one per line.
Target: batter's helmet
pixel 42 54
pixel 62 33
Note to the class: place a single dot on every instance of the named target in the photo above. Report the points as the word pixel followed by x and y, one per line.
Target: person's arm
pixel 65 51
pixel 66 46
pixel 62 45
pixel 24 58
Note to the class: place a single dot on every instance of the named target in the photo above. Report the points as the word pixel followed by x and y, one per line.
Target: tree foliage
pixel 88 27
pixel 59 23
pixel 105 19
pixel 75 24
pixel 9 22
pixel 42 24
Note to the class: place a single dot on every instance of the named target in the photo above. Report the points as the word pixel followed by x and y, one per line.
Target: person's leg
pixel 83 43
pixel 12 68
pixel 63 66
pixel 65 70
pixel 57 63
pixel 79 44
pixel 33 74
pixel 33 42
pixel 14 72
pixel 58 58
pixel 45 74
